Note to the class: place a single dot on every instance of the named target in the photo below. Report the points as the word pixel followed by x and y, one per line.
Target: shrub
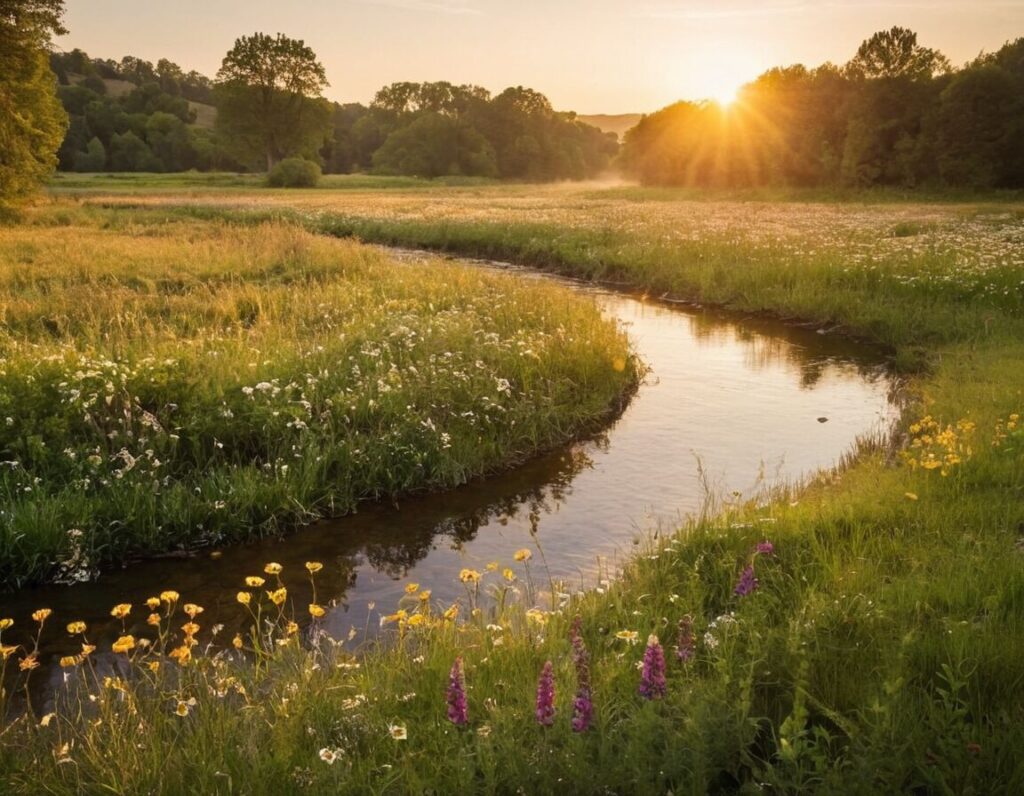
pixel 294 173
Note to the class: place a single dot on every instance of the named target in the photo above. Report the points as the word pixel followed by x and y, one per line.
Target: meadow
pixel 168 386
pixel 861 633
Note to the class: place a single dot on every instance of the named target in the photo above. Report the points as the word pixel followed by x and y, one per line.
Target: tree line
pixel 264 115
pixel 897 114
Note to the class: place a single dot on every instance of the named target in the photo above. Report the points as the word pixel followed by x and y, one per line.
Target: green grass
pixel 167 386
pixel 142 181
pixel 883 651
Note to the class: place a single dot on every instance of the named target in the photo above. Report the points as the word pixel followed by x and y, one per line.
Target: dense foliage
pixel 294 173
pixel 896 114
pixel 31 119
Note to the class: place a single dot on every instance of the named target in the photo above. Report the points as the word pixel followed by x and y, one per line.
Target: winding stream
pixel 751 403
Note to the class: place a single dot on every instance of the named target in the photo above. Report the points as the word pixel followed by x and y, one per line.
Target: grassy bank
pixel 880 648
pixel 166 386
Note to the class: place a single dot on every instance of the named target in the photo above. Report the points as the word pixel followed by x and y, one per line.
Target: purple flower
pixel 546 696
pixel 458 713
pixel 765 548
pixel 686 643
pixel 582 704
pixel 747 582
pixel 652 675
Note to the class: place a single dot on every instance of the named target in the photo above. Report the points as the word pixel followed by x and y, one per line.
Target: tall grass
pixel 190 384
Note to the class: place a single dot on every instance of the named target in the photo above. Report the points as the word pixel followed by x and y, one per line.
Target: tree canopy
pixel 269 101
pixel 32 120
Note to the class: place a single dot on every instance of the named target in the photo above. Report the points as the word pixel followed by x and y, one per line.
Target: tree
pixel 269 98
pixel 32 120
pixel 896 53
pixel 435 145
pixel 93 159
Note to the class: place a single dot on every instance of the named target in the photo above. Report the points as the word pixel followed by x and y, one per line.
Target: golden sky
pixel 592 56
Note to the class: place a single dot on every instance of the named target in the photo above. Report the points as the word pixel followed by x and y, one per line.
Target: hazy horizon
pixel 622 58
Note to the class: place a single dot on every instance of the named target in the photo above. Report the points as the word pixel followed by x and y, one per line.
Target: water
pixel 750 403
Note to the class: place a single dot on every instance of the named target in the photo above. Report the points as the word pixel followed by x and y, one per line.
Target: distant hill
pixel 616 123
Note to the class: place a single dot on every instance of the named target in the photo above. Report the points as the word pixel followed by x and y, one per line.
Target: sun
pixel 723 76
pixel 724 93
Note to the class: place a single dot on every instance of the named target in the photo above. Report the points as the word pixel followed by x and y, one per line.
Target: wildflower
pixel 88 649
pixel 6 623
pixel 582 704
pixel 121 611
pixel 458 713
pixel 545 711
pixel 483 730
pixel 153 603
pixel 74 628
pixel 424 596
pixel 538 616
pixel 469 576
pixel 254 581
pixel 291 628
pixel 183 708
pixel 273 568
pixel 124 644
pixel 508 574
pixel 451 612
pixel 70 660
pixel 492 566
pixel 416 620
pixel 42 615
pixel 398 732
pixel 628 635
pixel 182 654
pixel 522 555
pixel 190 628
pixel 192 610
pixel 747 583
pixel 316 611
pixel 765 548
pixel 170 597
pixel 329 756
pixel 6 650
pixel 652 677
pixel 685 645
pixel 236 642
pixel 28 663
pixel 153 619
pixel 244 597
pixel 278 596
pixel 411 588
pixel 313 567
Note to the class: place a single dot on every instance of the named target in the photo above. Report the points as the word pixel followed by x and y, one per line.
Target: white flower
pixel 329 755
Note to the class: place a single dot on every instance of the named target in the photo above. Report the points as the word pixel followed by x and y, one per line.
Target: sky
pixel 591 56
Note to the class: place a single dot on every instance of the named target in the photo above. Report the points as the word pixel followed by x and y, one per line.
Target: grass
pixel 174 385
pixel 883 650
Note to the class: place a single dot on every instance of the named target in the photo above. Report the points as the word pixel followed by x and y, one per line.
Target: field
pixel 862 634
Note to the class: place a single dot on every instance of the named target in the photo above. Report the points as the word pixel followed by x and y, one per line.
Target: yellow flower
pixel 76 627
pixel 451 612
pixel 243 597
pixel 190 628
pixel 398 732
pixel 508 574
pixel 153 619
pixel 125 644
pixel 182 654
pixel 182 708
pixel 469 576
pixel 314 567
pixel 170 596
pixel 522 555
pixel 416 620
pixel 424 595
pixel 538 616
pixel 628 635
pixel 88 649
pixel 254 581
pixel 492 566
pixel 70 660
pixel 28 663
pixel 278 596
pixel 6 651
pixel 273 568
pixel 41 615
pixel 412 588
pixel 192 610
pixel 153 666
pixel 316 611
pixel 121 610
pixel 153 603
pixel 6 623
pixel 236 642
pixel 291 628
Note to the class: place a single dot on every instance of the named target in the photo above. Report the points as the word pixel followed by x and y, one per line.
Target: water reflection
pixel 742 396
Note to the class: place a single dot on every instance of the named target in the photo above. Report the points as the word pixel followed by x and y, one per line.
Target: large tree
pixel 32 121
pixel 269 98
